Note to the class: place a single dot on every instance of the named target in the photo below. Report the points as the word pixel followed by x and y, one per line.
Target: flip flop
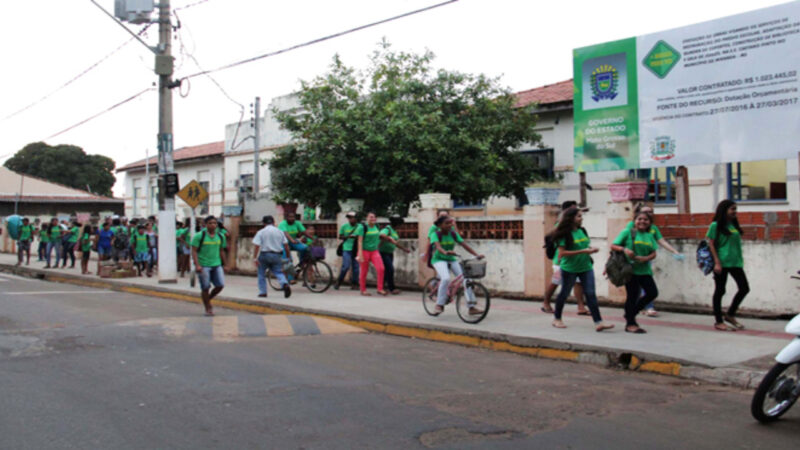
pixel 547 311
pixel 636 330
pixel 584 313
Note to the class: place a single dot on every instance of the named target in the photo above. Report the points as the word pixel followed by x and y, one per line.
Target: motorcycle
pixel 780 388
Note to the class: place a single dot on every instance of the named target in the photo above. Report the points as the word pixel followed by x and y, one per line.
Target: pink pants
pixel 373 257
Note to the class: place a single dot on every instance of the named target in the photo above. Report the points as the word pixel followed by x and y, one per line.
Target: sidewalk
pixel 685 345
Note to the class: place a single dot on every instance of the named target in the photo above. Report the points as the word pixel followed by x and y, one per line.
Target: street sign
pixel 193 194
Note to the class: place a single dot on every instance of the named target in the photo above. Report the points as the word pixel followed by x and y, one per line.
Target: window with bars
pixel 757 180
pixel 661 183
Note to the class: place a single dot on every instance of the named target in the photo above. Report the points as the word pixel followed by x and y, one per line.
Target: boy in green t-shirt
pixel 70 240
pixel 140 243
pixel 24 242
pixel 53 242
pixel 348 234
pixel 209 258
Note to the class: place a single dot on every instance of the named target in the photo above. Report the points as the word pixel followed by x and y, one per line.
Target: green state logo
pixel 661 59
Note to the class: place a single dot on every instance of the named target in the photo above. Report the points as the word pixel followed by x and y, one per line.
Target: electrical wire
pixel 75 78
pixel 200 2
pixel 318 40
pixel 109 109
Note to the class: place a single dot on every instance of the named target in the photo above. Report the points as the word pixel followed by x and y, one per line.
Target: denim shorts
pixel 104 251
pixel 211 275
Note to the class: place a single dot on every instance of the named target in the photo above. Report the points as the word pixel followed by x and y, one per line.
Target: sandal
pixel 383 293
pixel 559 324
pixel 584 312
pixel 603 326
pixel 635 330
pixel 366 294
pixel 733 322
pixel 722 327
pixel 438 310
pixel 651 313
pixel 547 310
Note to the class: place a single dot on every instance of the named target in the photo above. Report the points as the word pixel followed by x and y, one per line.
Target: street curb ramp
pixel 536 347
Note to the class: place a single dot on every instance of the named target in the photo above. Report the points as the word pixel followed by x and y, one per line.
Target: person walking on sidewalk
pixel 70 242
pixel 86 248
pixel 209 259
pixel 53 242
pixel 650 309
pixel 348 234
pixel 445 260
pixel 24 242
pixel 639 245
pixel 555 281
pixel 141 250
pixel 368 241
pixel 390 240
pixel 270 245
pixel 44 239
pixel 725 242
pixel 105 238
pixel 576 263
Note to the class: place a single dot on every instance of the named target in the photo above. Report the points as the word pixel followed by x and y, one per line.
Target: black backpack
pixel 550 246
pixel 121 241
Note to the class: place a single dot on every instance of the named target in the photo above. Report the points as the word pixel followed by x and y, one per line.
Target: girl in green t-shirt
pixel 725 241
pixel 368 241
pixel 574 251
pixel 639 245
pixel 445 260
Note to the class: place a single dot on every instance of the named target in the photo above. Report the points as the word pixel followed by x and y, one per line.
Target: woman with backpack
pixel 725 242
pixel 639 245
pixel 576 263
pixel 368 242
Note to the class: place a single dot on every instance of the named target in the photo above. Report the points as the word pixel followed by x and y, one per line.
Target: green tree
pixel 65 164
pixel 399 129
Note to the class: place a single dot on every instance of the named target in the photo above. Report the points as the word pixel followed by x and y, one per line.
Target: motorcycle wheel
pixel 777 392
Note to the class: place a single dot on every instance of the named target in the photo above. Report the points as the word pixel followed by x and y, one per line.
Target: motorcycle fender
pixel 790 353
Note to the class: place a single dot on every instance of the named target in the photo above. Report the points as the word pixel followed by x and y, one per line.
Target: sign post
pixel 193 194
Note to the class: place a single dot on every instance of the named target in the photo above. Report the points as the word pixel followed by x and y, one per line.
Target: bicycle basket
pixel 318 253
pixel 475 268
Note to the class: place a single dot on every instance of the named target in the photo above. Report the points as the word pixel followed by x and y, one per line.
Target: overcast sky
pixel 47 42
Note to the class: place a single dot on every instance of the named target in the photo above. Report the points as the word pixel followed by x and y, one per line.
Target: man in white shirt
pixel 271 245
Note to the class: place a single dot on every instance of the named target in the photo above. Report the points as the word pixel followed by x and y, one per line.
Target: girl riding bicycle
pixel 445 259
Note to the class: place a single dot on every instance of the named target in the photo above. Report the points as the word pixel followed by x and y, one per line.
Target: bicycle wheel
pixel 482 301
pixel 273 281
pixel 318 276
pixel 429 294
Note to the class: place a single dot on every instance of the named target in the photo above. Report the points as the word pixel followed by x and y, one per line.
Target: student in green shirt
pixel 576 263
pixel 24 242
pixel 725 241
pixel 140 241
pixel 390 240
pixel 348 234
pixel 639 245
pixel 44 238
pixel 555 280
pixel 209 258
pixel 445 260
pixel 53 242
pixel 70 242
pixel 368 241
pixel 86 248
pixel 294 230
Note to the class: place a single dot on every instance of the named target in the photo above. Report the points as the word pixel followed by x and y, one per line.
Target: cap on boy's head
pixel 268 220
pixel 350 214
pixel 568 204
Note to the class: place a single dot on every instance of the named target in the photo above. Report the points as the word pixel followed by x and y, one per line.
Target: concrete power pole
pixel 167 258
pixel 256 146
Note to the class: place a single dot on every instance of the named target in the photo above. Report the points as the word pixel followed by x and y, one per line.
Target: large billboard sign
pixel 720 91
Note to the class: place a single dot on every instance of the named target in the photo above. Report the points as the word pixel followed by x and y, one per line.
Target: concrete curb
pixel 542 348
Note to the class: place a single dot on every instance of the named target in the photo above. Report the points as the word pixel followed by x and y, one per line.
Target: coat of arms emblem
pixel 605 81
pixel 662 148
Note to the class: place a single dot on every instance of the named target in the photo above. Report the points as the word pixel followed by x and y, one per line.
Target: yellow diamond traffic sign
pixel 193 194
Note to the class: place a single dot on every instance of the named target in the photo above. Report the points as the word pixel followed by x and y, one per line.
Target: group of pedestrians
pixel 639 241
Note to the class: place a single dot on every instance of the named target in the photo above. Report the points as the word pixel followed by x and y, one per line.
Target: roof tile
pixel 183 154
pixel 547 94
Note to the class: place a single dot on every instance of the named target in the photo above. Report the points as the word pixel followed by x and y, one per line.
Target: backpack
pixel 705 260
pixel 550 246
pixel 432 247
pixel 618 269
pixel 121 241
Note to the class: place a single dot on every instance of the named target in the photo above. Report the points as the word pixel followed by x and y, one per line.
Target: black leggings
pixel 69 250
pixel 633 289
pixel 720 280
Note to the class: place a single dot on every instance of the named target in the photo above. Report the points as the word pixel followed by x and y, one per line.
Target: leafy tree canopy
pixel 399 129
pixel 65 164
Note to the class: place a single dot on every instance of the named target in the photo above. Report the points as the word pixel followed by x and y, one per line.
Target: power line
pixel 74 79
pixel 109 109
pixel 200 2
pixel 316 41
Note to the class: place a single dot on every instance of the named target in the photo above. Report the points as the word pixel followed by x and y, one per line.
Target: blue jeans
pixel 54 245
pixel 348 261
pixel 301 249
pixel 271 261
pixel 587 281
pixel 388 268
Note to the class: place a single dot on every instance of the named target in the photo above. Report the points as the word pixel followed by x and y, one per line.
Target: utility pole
pixel 167 258
pixel 147 182
pixel 256 146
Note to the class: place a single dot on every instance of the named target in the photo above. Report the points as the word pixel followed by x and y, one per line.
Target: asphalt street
pixel 95 369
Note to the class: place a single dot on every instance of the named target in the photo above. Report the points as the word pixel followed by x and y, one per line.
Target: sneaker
pixel 287 291
pixel 337 284
pixel 475 311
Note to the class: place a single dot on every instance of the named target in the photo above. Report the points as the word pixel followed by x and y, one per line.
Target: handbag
pixel 340 248
pixel 619 269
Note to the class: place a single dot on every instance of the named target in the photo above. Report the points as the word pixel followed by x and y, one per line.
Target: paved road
pixel 84 368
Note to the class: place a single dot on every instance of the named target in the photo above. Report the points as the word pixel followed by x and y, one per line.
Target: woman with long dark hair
pixel 639 244
pixel 725 242
pixel 574 251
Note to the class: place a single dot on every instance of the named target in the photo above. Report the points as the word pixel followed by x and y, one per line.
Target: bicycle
pixel 473 269
pixel 317 274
